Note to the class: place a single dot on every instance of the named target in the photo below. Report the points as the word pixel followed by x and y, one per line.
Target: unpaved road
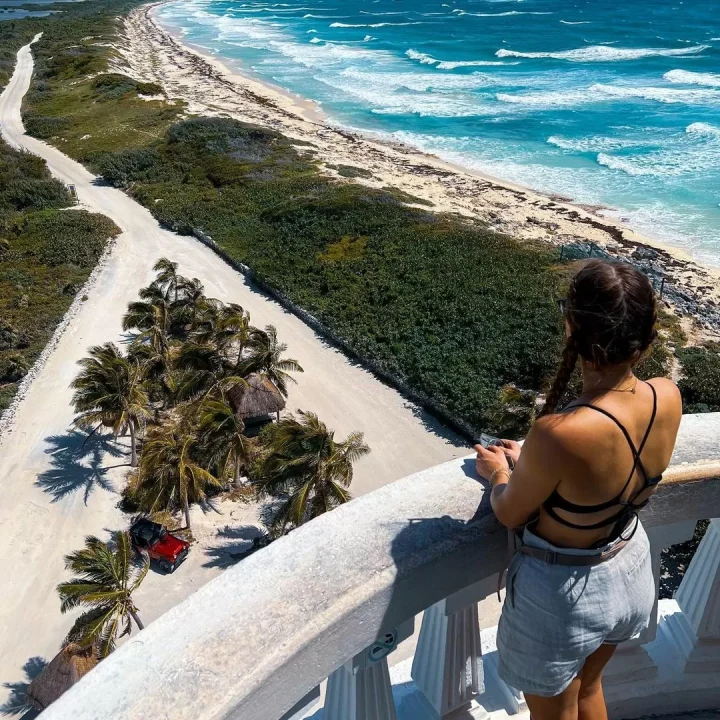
pixel 52 494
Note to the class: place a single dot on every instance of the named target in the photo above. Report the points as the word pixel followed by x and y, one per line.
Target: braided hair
pixel 612 315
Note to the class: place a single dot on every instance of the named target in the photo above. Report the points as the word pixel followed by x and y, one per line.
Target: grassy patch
pixel 46 254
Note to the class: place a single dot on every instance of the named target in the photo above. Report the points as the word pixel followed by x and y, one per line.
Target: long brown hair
pixel 612 313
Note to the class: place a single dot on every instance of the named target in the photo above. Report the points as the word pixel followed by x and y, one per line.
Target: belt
pixel 557 557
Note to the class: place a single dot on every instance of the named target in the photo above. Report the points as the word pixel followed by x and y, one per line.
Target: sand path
pixel 52 494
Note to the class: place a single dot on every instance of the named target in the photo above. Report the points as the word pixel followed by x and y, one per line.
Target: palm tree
pixel 169 476
pixel 232 332
pixel 265 358
pixel 152 316
pixel 306 470
pixel 204 370
pixel 191 304
pixel 168 276
pixel 106 576
pixel 222 437
pixel 109 392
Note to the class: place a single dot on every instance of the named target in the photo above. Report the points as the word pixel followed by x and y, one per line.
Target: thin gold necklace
pixel 621 390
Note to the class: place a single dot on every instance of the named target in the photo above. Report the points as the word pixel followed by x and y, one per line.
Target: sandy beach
pixel 208 87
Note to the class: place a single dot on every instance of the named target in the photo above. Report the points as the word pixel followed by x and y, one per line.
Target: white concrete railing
pixel 333 598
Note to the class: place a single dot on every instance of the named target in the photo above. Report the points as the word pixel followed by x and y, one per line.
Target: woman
pixel 581 581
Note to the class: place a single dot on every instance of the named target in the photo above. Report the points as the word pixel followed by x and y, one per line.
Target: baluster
pixel 699 599
pixel 447 667
pixel 631 662
pixel 361 689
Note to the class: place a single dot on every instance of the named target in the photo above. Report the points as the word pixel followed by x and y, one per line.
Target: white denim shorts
pixel 555 616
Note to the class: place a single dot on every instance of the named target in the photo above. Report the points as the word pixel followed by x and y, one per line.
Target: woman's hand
pixel 512 450
pixel 489 460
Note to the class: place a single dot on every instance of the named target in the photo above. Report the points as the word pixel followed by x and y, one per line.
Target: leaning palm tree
pixel 168 276
pixel 169 476
pixel 305 469
pixel 221 434
pixel 105 577
pixel 109 393
pixel 265 358
pixel 152 316
pixel 231 332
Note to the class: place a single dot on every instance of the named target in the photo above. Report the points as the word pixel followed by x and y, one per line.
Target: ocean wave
pixel 603 53
pixel 603 93
pixel 503 14
pixel 426 59
pixel 552 99
pixel 704 129
pixel 316 40
pixel 417 82
pixel 664 95
pixel 372 25
pixel 692 78
pixel 637 167
pixel 577 22
pixel 369 12
pixel 596 143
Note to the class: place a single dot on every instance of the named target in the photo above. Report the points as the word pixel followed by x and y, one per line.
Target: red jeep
pixel 155 540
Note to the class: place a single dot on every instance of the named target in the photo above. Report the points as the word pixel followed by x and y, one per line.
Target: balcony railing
pixel 333 599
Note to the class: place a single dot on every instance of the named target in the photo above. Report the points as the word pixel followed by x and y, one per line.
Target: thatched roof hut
pixel 258 400
pixel 64 670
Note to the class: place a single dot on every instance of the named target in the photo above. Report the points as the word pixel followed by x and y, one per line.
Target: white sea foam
pixel 316 40
pixel 504 14
pixel 426 59
pixel 703 129
pixel 577 22
pixel 692 78
pixel 372 25
pixel 658 94
pixel 419 82
pixel 603 53
pixel 595 143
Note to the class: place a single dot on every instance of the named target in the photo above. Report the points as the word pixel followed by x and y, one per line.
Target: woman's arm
pixel 516 498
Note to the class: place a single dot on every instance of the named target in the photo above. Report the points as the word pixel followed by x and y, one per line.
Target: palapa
pixel 258 399
pixel 63 671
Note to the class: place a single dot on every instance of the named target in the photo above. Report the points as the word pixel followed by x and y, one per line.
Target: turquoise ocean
pixel 606 102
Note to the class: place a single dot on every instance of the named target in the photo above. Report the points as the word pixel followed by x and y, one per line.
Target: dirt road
pixel 52 493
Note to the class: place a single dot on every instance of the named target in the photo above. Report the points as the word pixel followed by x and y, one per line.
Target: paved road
pixel 52 495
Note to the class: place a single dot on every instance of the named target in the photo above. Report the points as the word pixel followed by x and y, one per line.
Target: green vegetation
pixel 46 254
pixel 305 469
pixel 177 392
pixel 106 576
pixel 700 385
pixel 371 268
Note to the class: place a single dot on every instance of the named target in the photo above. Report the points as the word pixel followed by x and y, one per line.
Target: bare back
pixel 592 460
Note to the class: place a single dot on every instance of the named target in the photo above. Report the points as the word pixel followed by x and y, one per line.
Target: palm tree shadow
pixel 244 541
pixel 17 702
pixel 77 464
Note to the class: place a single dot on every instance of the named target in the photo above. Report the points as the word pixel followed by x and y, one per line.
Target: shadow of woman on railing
pixel 77 463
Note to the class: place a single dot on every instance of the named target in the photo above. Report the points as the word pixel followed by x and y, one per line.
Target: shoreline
pixel 209 86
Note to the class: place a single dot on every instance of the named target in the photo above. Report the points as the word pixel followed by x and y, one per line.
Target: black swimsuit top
pixel 626 508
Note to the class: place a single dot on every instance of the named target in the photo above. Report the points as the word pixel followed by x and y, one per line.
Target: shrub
pixel 74 237
pixel 126 166
pixel 45 127
pixel 113 85
pixel 13 367
pixel 700 386
pixel 148 88
pixel 34 195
